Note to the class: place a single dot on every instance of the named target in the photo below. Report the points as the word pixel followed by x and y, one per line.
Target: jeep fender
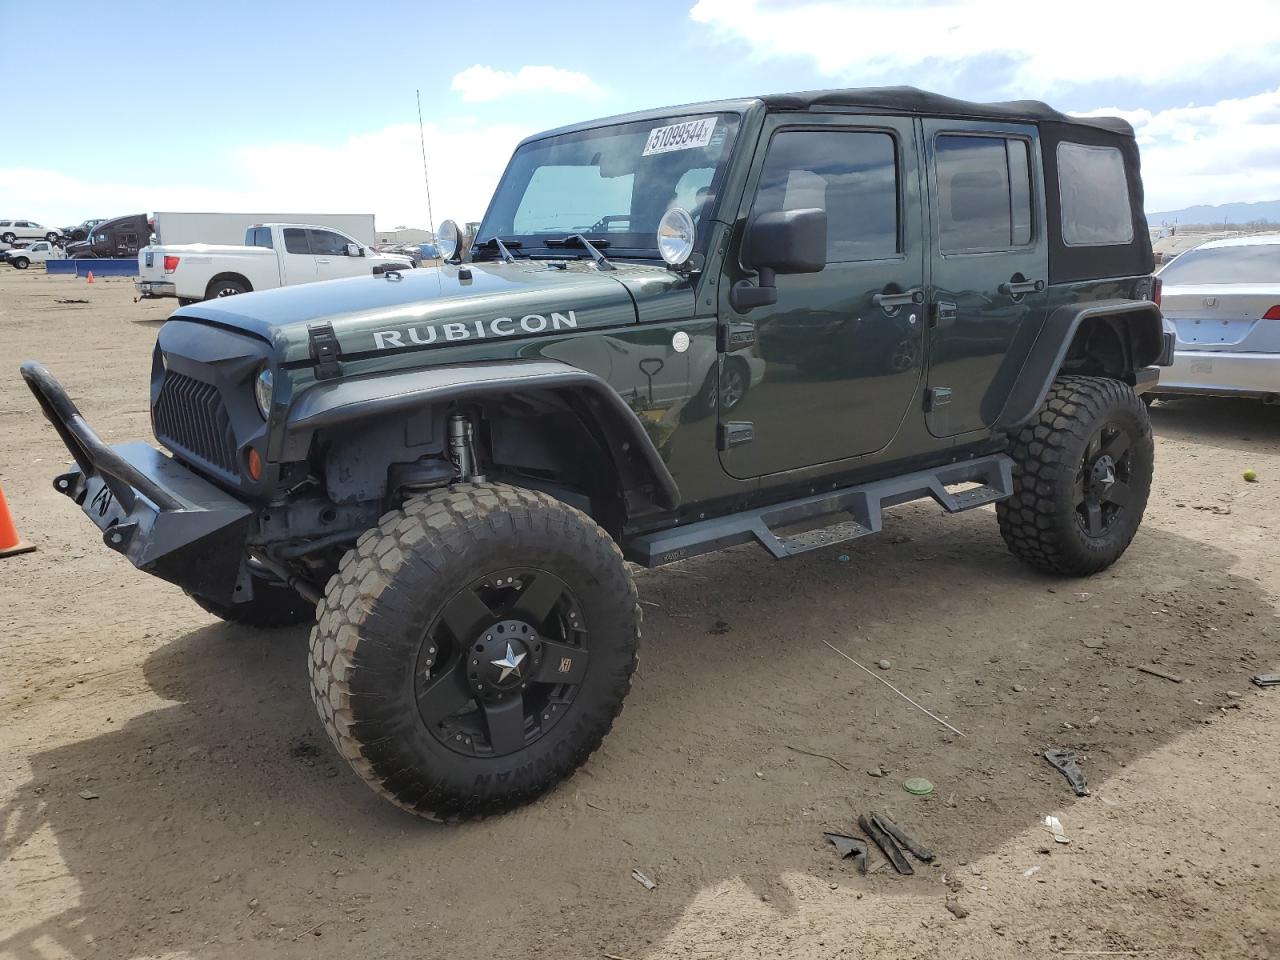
pixel 336 402
pixel 1145 342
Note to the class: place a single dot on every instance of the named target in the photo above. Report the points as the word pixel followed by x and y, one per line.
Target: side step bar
pixel 862 508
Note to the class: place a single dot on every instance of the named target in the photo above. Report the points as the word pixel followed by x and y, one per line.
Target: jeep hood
pixel 438 307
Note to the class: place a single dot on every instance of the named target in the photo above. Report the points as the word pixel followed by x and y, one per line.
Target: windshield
pixel 611 184
pixel 1257 263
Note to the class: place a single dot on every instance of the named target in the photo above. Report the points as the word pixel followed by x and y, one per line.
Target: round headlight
pixel 676 234
pixel 449 240
pixel 262 389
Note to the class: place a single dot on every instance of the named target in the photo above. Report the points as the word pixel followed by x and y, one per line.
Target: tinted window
pixel 260 237
pixel 1094 196
pixel 1257 263
pixel 984 193
pixel 325 243
pixel 295 240
pixel 853 176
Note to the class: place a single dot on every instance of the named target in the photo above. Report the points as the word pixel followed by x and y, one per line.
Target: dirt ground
pixel 166 789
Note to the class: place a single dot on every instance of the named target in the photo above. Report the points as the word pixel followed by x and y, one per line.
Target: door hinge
pixel 940 312
pixel 735 433
pixel 735 334
pixel 935 397
pixel 323 344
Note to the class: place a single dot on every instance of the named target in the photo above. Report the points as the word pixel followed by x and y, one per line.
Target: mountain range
pixel 1268 210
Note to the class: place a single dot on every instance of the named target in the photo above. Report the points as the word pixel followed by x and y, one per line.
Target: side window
pixel 852 175
pixel 325 243
pixel 984 193
pixel 1094 196
pixel 261 237
pixel 295 240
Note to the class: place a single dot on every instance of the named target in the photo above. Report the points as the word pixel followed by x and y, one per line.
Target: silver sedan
pixel 1223 298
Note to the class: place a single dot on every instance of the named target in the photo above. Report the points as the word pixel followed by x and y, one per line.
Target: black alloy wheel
pixel 1102 490
pixel 499 667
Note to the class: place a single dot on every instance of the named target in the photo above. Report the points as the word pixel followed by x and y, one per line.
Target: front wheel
pixel 474 649
pixel 8 237
pixel 51 237
pixel 21 263
pixel 1081 477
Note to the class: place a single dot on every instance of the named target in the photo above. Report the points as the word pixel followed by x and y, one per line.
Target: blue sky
pixel 310 106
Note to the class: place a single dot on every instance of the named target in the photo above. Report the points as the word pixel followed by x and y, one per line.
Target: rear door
pixel 989 267
pixel 830 369
pixel 297 264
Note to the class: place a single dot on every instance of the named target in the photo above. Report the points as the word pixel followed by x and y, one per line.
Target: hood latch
pixel 324 350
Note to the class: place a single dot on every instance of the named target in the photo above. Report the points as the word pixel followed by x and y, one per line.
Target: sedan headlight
pixel 263 387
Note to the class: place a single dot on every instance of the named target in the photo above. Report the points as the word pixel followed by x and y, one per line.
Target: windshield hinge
pixel 324 350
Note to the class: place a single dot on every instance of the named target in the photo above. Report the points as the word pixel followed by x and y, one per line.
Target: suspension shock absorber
pixel 462 448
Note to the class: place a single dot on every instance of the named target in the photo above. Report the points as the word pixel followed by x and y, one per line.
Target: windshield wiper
pixel 504 251
pixel 578 240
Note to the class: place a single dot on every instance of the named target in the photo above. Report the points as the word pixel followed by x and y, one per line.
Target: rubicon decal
pixel 532 323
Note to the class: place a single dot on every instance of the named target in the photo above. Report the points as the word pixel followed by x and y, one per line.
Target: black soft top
pixel 915 101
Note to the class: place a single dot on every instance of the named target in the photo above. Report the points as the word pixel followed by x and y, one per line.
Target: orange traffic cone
pixel 91 276
pixel 10 543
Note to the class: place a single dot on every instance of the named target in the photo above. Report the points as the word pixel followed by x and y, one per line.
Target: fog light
pixel 253 463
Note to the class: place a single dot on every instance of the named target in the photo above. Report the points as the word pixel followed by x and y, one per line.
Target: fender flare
pixel 336 402
pixel 1049 351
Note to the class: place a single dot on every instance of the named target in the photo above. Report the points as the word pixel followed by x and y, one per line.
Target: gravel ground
pixel 166 789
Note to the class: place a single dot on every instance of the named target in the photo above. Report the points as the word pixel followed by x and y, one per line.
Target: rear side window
pixel 852 175
pixel 260 237
pixel 1094 196
pixel 295 240
pixel 984 193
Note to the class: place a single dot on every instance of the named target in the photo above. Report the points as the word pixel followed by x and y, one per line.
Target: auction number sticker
pixel 687 135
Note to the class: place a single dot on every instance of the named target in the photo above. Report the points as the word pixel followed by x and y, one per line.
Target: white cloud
pixel 378 172
pixel 1217 153
pixel 1052 46
pixel 480 83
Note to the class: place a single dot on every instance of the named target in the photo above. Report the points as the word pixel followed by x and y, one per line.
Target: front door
pixel 297 263
pixel 829 371
pixel 990 267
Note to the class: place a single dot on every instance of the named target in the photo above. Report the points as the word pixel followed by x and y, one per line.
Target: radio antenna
pixel 426 180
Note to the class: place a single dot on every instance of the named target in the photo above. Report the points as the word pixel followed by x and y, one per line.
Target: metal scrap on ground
pixel 1066 762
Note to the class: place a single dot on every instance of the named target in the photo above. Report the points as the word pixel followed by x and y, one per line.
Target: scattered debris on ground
pixel 1068 764
pixel 1163 674
pixel 644 881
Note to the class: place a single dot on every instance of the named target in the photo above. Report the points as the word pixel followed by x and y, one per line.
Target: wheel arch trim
pixel 338 402
pixel 1049 351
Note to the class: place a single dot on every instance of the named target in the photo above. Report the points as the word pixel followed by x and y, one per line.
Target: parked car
pixel 11 231
pixel 38 252
pixel 81 230
pixel 446 471
pixel 114 239
pixel 273 255
pixel 1223 298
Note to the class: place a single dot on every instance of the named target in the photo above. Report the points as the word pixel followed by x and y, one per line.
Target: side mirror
pixel 355 250
pixel 784 241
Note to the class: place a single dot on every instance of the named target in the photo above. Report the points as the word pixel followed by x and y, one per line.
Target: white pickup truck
pixel 39 252
pixel 274 255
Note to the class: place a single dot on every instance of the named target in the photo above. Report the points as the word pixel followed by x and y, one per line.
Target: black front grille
pixel 189 417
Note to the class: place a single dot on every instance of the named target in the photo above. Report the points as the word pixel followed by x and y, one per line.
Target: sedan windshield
pixel 609 184
pixel 1256 263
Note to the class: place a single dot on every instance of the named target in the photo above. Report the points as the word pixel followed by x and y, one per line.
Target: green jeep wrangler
pixel 677 330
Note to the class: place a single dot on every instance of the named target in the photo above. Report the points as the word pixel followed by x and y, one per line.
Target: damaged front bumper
pixel 169 521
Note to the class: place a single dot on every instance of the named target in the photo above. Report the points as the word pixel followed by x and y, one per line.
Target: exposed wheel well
pixel 1113 345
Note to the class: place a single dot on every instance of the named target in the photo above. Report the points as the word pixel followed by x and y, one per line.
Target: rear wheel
pixel 20 262
pixel 1081 477
pixel 474 649
pixel 225 288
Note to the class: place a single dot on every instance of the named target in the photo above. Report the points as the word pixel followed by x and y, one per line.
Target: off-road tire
pixel 1039 522
pixel 19 263
pixel 272 606
pixel 388 595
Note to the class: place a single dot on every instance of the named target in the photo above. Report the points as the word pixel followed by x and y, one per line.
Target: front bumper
pixel 148 289
pixel 1222 373
pixel 169 521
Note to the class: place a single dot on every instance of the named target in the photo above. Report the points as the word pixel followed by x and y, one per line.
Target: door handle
pixel 324 261
pixel 1016 288
pixel 890 301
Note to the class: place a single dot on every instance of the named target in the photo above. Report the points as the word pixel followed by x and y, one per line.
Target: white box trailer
pixel 229 228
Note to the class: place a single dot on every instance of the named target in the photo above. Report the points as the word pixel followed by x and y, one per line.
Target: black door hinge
pixel 936 397
pixel 940 312
pixel 734 433
pixel 735 335
pixel 324 349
